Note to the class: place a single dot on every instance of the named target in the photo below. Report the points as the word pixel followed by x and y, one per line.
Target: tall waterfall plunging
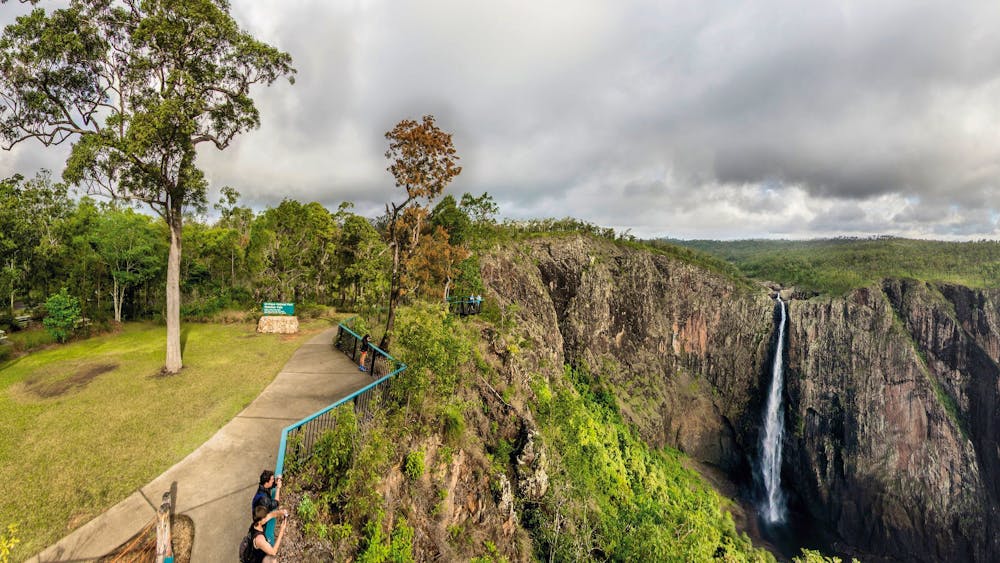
pixel 774 508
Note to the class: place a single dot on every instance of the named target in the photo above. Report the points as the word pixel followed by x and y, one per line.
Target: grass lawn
pixel 86 424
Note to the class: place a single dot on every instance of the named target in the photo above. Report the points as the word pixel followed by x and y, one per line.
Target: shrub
pixel 7 322
pixel 452 423
pixel 8 541
pixel 334 450
pixel 413 466
pixel 63 314
pixel 398 549
pixel 311 311
pixel 433 348
pixel 307 510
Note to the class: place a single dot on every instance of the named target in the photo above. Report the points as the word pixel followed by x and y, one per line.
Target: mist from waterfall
pixel 774 509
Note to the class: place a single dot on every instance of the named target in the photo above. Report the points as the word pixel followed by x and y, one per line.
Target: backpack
pixel 246 548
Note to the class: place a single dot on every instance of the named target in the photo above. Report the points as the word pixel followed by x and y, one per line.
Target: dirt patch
pixel 141 548
pixel 47 387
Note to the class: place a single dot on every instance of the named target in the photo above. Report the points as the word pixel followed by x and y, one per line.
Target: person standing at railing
pixel 364 353
pixel 263 551
pixel 263 497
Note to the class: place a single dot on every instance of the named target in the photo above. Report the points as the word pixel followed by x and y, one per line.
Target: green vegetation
pixel 836 266
pixel 413 466
pixel 812 556
pixel 396 548
pixel 67 456
pixel 62 315
pixel 8 541
pixel 60 68
pixel 610 495
pixel 615 497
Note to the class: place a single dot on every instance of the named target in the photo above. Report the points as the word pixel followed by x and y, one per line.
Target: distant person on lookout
pixel 364 353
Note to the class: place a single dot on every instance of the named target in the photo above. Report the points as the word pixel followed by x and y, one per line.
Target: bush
pixel 398 548
pixel 452 423
pixel 413 466
pixel 311 311
pixel 63 315
pixel 8 541
pixel 7 322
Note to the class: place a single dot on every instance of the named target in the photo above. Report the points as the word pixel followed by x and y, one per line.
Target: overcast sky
pixel 707 119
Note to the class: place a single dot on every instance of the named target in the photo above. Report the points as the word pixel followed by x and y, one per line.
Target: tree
pixel 29 213
pixel 237 221
pixel 292 248
pixel 423 162
pixel 138 85
pixel 361 260
pixel 451 218
pixel 480 209
pixel 128 244
pixel 433 264
pixel 62 313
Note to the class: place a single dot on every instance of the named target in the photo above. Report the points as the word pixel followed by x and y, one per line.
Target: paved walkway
pixel 216 482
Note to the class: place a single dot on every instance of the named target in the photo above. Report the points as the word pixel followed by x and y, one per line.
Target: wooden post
pixel 164 545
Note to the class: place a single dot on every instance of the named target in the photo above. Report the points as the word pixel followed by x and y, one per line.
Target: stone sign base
pixel 275 324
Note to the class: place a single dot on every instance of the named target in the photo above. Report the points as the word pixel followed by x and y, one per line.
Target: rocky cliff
pixel 681 348
pixel 890 396
pixel 891 390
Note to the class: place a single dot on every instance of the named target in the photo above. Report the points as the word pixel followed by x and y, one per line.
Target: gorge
pixel 891 391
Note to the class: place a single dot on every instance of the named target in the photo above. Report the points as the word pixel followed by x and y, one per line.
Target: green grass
pixel 29 339
pixel 68 457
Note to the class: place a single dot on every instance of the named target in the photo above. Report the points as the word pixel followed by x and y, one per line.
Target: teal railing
pixel 380 365
pixel 305 433
pixel 465 305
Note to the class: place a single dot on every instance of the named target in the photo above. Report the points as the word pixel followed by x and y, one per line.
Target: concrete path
pixel 215 483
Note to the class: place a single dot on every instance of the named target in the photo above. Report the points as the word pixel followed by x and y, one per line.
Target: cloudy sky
pixel 707 119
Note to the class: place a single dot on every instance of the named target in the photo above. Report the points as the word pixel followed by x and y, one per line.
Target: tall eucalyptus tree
pixel 136 86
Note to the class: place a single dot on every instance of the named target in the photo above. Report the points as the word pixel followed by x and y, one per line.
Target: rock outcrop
pixel 278 324
pixel 892 391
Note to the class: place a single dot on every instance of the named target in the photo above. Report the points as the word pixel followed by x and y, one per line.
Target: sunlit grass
pixel 71 448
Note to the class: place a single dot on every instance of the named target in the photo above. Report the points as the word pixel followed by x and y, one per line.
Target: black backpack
pixel 246 548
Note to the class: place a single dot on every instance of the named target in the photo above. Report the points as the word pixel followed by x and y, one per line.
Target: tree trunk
pixel 118 298
pixel 174 363
pixel 394 293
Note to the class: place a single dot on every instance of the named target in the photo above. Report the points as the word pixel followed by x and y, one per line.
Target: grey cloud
pixel 698 118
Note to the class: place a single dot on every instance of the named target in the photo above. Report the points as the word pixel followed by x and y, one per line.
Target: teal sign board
pixel 279 308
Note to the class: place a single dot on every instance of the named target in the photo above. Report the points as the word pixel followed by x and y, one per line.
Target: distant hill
pixel 838 265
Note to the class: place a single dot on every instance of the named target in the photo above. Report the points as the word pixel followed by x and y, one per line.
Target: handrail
pixel 465 305
pixel 380 363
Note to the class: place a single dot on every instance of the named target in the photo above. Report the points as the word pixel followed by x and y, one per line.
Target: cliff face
pixel 679 347
pixel 886 387
pixel 892 406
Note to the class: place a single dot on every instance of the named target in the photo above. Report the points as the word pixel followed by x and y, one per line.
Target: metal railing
pixel 465 305
pixel 305 433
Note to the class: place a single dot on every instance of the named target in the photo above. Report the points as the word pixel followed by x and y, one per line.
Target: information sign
pixel 279 308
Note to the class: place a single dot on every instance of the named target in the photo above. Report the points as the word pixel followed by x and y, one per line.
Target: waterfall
pixel 773 509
